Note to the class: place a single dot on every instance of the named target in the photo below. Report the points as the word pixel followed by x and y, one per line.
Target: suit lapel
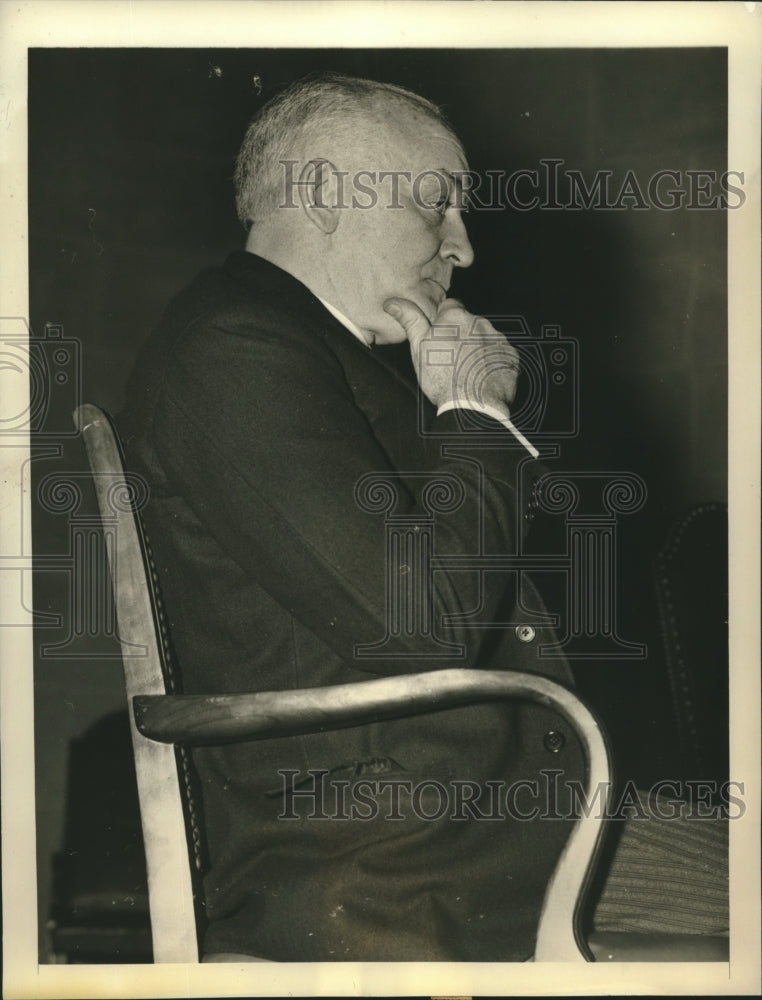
pixel 388 398
pixel 382 390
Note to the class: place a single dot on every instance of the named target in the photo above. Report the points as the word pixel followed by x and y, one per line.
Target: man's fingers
pixel 469 359
pixel 409 316
pixel 450 304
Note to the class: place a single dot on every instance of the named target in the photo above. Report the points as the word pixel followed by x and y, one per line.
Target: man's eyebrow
pixel 456 180
pixel 451 176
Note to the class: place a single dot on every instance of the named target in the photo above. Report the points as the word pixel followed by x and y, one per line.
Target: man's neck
pixel 279 248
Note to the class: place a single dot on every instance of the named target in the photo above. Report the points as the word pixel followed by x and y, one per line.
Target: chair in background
pixel 692 591
pixel 161 720
pixel 99 909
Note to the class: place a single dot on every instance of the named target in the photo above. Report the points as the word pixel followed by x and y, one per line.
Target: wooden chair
pixel 162 721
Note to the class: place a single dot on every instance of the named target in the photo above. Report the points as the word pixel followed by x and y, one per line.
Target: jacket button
pixel 525 633
pixel 553 741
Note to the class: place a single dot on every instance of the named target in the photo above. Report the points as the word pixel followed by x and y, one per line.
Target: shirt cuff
pixel 490 411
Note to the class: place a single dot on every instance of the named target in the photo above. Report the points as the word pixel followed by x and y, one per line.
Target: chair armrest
pixel 199 720
pixel 213 720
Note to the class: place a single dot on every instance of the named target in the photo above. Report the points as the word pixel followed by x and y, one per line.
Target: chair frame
pixel 160 721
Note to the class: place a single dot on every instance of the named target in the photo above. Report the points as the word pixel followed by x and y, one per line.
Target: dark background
pixel 130 193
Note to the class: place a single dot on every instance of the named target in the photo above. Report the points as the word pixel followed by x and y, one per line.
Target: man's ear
pixel 320 194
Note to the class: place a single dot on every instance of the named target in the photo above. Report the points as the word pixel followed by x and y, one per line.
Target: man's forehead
pixel 402 138
pixel 422 137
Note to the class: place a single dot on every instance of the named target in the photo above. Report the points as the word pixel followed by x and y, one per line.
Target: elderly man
pixel 264 412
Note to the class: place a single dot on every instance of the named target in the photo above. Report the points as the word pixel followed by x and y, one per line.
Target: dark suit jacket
pixel 254 414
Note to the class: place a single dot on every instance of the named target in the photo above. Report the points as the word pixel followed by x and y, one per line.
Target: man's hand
pixel 459 358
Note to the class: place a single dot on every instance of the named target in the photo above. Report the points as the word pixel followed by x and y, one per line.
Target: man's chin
pixel 390 332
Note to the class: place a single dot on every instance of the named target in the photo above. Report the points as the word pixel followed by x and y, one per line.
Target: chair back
pixel 170 888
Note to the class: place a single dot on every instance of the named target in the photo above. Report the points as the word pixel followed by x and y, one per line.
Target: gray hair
pixel 311 108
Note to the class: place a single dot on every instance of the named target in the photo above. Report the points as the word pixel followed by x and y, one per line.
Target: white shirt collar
pixel 352 327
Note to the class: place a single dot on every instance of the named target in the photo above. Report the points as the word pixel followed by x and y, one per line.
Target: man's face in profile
pixel 407 243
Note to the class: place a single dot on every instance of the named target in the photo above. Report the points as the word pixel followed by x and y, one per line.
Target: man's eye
pixel 440 206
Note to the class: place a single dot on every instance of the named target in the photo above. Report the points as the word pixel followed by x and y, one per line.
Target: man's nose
pixel 456 246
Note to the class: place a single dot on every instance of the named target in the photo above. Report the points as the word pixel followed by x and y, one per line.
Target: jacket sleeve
pixel 259 431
